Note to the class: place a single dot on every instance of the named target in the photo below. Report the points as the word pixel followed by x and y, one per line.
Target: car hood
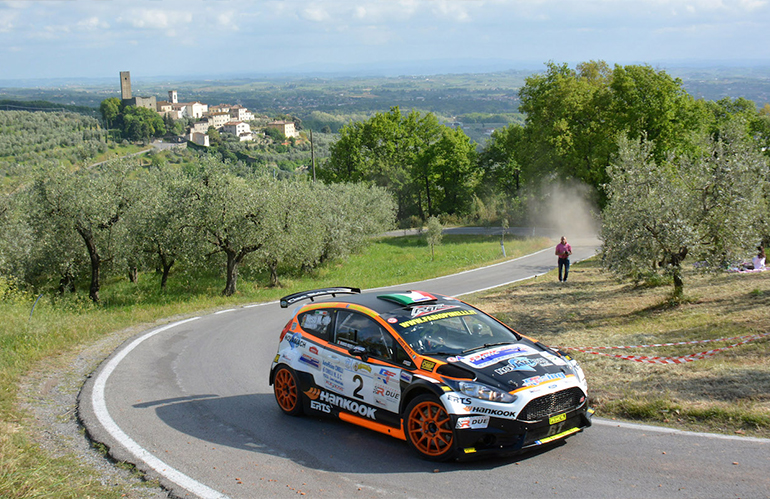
pixel 515 365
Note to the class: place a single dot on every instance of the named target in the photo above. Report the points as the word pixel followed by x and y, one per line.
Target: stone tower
pixel 172 97
pixel 125 85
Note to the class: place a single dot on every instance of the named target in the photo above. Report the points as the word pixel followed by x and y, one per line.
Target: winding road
pixel 189 403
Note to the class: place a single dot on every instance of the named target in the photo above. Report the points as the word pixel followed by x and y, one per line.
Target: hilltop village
pixel 225 118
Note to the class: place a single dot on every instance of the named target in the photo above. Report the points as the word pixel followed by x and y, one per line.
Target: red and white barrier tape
pixel 670 360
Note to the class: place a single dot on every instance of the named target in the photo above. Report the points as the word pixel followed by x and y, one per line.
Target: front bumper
pixel 507 436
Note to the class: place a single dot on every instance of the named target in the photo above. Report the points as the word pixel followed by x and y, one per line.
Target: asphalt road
pixel 190 404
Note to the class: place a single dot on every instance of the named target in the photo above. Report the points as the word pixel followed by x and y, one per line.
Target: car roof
pixel 382 302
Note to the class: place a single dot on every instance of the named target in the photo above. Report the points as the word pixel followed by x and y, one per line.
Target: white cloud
pixel 156 19
pixel 227 20
pixel 7 21
pixel 316 13
pixel 92 23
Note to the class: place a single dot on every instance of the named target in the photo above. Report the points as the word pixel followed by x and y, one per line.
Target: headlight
pixel 484 392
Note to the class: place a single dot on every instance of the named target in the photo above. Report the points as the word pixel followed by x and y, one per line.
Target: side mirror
pixel 359 351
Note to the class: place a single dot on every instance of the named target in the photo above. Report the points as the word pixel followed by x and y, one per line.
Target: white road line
pixel 102 414
pixel 663 429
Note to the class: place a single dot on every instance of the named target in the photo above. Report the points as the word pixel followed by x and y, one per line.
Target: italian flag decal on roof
pixel 408 298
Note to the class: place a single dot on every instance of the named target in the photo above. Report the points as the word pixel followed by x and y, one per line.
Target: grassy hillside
pixel 726 392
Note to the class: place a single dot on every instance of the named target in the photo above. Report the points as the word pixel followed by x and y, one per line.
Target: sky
pixel 182 38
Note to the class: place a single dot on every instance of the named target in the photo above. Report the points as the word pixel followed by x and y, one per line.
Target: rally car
pixel 429 369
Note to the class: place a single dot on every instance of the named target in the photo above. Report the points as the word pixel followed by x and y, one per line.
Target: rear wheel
pixel 286 391
pixel 429 428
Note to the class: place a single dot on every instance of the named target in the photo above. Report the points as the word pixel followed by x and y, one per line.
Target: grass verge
pixel 52 334
pixel 727 392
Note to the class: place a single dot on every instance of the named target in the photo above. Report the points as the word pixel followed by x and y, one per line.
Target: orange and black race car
pixel 426 368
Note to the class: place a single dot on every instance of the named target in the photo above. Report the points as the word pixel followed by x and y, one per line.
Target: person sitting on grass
pixel 758 261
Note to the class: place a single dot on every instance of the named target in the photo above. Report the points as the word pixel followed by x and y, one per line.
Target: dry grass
pixel 728 392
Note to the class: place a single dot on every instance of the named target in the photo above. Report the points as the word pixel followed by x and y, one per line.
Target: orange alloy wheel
pixel 286 392
pixel 430 428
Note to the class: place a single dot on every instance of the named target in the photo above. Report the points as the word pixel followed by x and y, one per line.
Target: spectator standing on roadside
pixel 563 251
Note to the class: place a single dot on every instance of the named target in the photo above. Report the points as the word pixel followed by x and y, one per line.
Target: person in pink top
pixel 563 251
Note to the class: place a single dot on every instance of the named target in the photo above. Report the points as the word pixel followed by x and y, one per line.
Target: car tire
pixel 286 390
pixel 429 430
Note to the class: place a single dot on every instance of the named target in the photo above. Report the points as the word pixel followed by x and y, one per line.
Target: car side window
pixel 317 322
pixel 358 330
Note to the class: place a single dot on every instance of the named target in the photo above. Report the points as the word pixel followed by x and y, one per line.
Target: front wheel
pixel 429 428
pixel 286 391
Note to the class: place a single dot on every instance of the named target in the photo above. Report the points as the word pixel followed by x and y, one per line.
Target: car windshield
pixel 452 331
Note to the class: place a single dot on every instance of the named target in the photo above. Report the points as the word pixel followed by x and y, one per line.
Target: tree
pixel 434 234
pixel 111 109
pixel 159 230
pixel 89 203
pixel 409 155
pixel 707 207
pixel 229 213
pixel 142 123
pixel 574 118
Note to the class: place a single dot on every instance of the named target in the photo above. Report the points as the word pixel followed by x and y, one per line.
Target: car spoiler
pixel 314 293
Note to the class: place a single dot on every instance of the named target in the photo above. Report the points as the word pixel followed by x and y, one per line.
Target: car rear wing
pixel 314 293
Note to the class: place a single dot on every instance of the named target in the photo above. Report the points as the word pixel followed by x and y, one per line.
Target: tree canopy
pixel 707 207
pixel 430 168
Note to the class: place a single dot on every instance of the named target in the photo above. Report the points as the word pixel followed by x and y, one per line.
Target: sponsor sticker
pixel 386 374
pixel 429 309
pixel 458 400
pixel 295 340
pixel 492 356
pixel 392 320
pixel 427 365
pixel 522 364
pixel 557 419
pixel 311 361
pixel 436 317
pixel 406 377
pixel 536 380
pixel 313 350
pixel 472 422
pixel 318 406
pixel 342 403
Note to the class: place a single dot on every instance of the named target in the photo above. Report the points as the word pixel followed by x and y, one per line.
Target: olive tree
pixel 228 213
pixel 89 203
pixel 707 207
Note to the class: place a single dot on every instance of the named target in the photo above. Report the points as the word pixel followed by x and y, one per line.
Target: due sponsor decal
pixel 536 380
pixel 472 422
pixel 387 393
pixel 436 317
pixel 342 403
pixel 522 364
pixel 427 365
pixel 492 356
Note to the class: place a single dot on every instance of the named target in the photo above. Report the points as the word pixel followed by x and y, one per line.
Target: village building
pixel 285 127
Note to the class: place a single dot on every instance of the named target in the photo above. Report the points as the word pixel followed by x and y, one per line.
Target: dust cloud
pixel 565 210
